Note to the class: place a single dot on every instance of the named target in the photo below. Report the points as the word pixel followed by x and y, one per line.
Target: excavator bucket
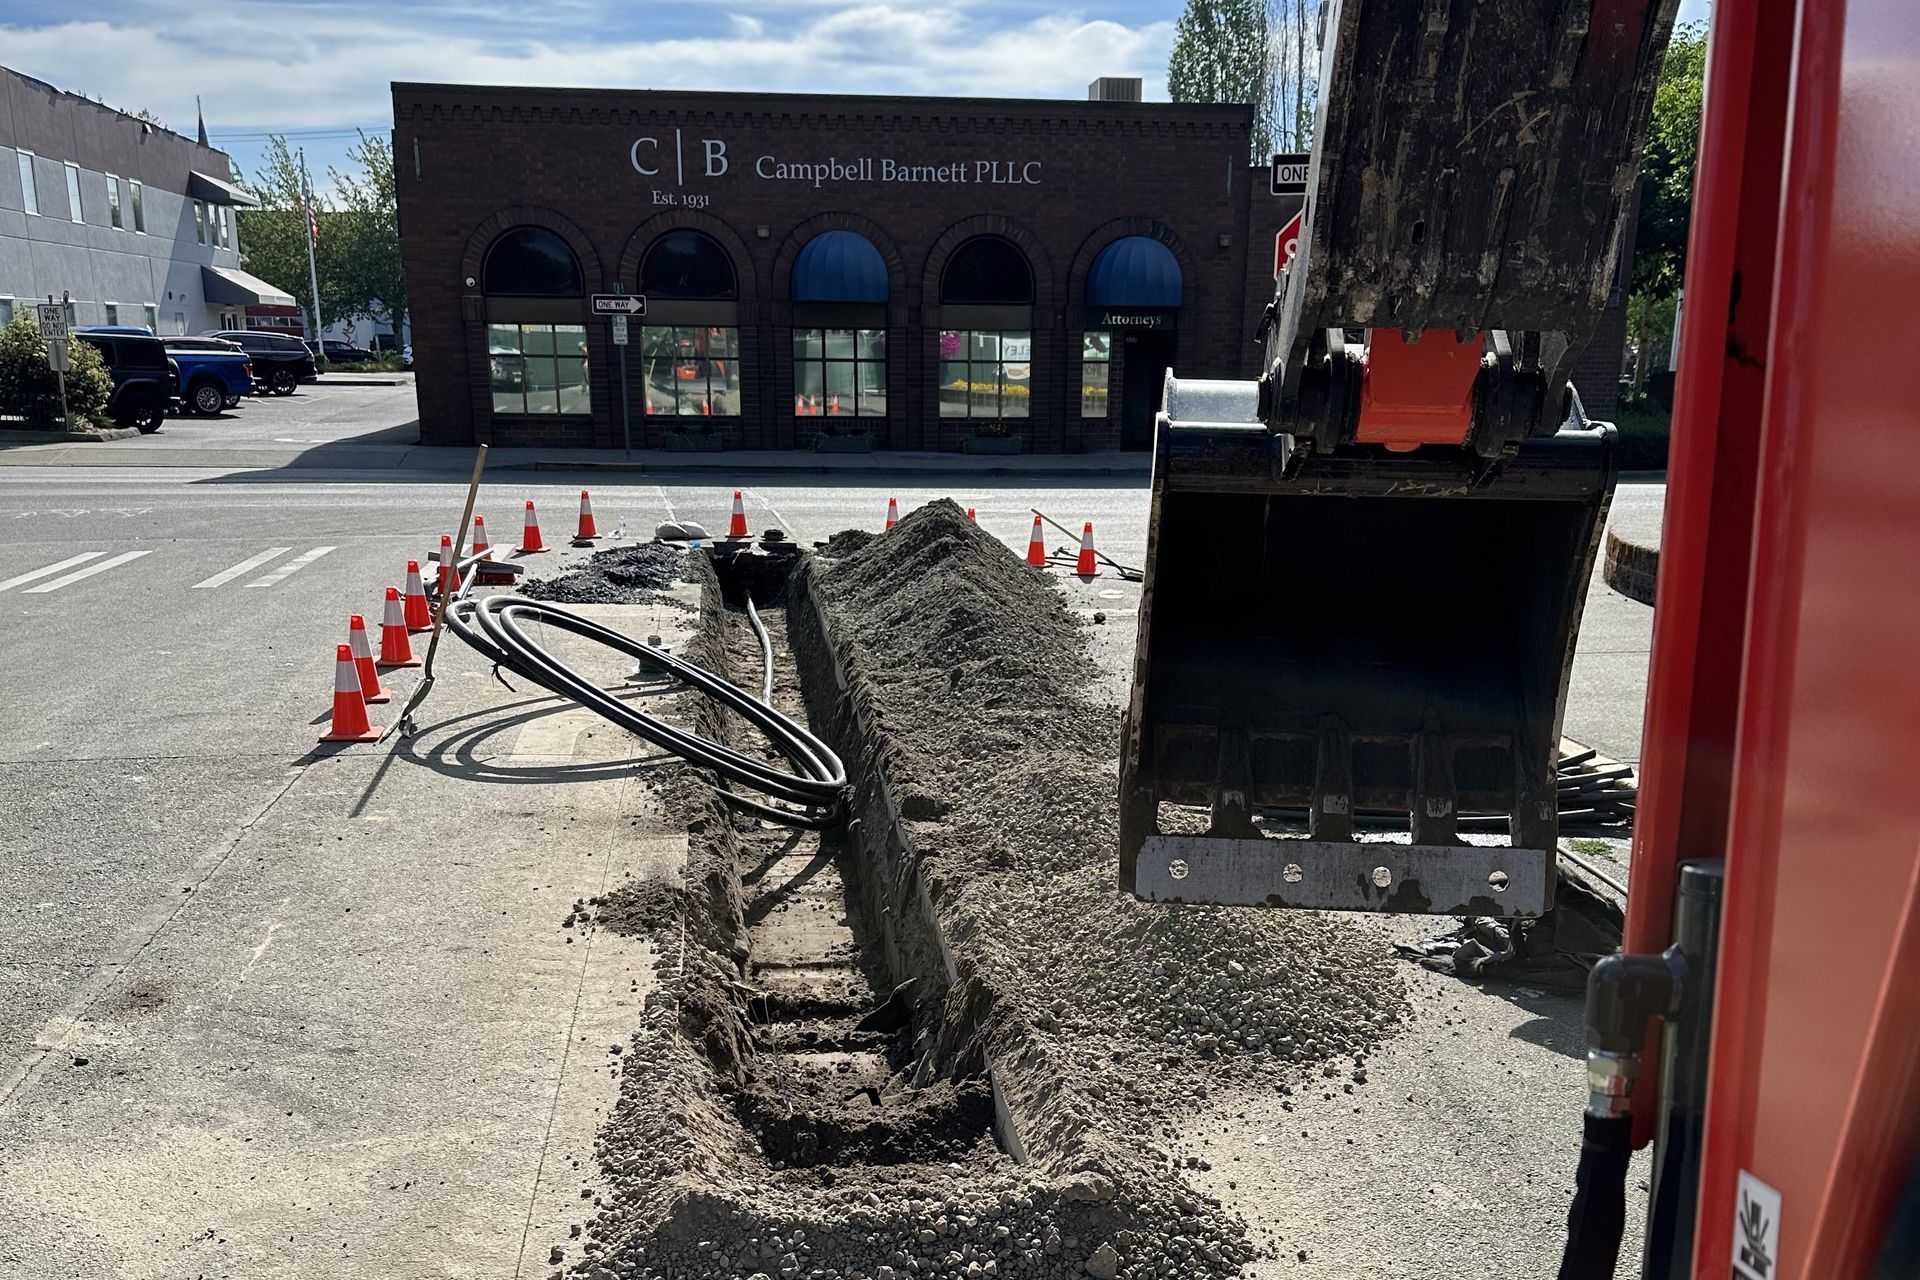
pixel 1365 571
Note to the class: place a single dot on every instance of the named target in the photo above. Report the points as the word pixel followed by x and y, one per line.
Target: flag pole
pixel 313 270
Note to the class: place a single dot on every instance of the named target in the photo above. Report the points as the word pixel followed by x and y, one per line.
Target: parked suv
pixel 143 380
pixel 281 362
pixel 338 352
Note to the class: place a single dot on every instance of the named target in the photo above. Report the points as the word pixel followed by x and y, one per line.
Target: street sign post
pixel 619 331
pixel 1289 174
pixel 1286 242
pixel 53 321
pixel 53 328
pixel 619 304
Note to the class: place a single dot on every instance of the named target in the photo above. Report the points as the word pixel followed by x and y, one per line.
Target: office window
pixel 841 373
pixel 1096 361
pixel 226 227
pixel 691 370
pixel 6 312
pixel 113 312
pixel 538 368
pixel 151 316
pixel 199 222
pixel 113 203
pixel 139 210
pixel 29 193
pixel 985 374
pixel 73 194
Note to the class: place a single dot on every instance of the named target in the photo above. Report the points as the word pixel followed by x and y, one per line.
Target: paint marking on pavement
pixel 290 568
pixel 87 572
pixel 68 563
pixel 225 576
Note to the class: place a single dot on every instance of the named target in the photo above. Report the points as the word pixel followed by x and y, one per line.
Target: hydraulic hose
pixel 817 783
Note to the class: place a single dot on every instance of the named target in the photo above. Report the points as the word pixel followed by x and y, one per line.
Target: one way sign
pixel 619 304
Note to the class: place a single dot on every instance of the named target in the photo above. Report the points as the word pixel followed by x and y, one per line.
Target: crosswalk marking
pixel 290 568
pixel 68 563
pixel 225 576
pixel 87 572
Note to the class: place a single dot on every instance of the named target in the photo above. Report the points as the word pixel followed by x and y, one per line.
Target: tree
pixel 1294 72
pixel 1666 189
pixel 28 386
pixel 274 236
pixel 1222 52
pixel 370 211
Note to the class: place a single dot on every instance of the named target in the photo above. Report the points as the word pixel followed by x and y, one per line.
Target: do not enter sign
pixel 1287 242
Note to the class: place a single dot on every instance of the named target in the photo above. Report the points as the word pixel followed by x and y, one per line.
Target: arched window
pixel 688 265
pixel 530 262
pixel 692 365
pixel 986 362
pixel 536 341
pixel 839 288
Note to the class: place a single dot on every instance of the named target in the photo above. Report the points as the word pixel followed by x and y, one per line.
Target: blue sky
pixel 318 69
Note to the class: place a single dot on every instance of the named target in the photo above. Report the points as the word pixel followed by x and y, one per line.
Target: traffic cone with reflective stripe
pixel 363 660
pixel 419 617
pixel 586 529
pixel 737 526
pixel 481 547
pixel 893 512
pixel 1086 566
pixel 349 708
pixel 530 533
pixel 1037 546
pixel 394 649
pixel 449 572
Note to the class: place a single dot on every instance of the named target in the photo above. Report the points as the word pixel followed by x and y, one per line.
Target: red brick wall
pixel 474 161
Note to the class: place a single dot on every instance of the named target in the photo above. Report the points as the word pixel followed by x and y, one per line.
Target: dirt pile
pixel 635 574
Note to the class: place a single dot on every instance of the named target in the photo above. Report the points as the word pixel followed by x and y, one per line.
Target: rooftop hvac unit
pixel 1114 89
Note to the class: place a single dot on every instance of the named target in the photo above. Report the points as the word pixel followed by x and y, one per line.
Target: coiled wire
pixel 817 784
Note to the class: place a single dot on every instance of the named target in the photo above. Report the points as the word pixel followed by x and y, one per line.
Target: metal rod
pixel 1124 568
pixel 440 611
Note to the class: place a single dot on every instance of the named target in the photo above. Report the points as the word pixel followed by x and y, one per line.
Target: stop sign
pixel 1287 242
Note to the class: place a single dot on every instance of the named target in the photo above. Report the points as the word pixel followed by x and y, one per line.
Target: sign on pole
pixel 57 358
pixel 53 321
pixel 1286 242
pixel 619 331
pixel 619 304
pixel 1289 175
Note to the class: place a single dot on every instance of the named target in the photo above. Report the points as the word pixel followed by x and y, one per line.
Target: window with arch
pixel 986 365
pixel 536 331
pixel 691 367
pixel 840 288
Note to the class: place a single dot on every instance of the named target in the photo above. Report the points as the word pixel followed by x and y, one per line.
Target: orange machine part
pixel 1420 392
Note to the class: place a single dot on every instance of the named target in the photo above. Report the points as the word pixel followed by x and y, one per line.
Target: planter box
pixel 861 443
pixel 681 442
pixel 993 444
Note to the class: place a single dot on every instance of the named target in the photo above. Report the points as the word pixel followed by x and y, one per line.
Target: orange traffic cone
pixel 833 405
pixel 1086 566
pixel 481 547
pixel 349 708
pixel 737 526
pixel 586 529
pixel 530 533
pixel 449 572
pixel 419 617
pixel 1037 546
pixel 394 649
pixel 363 660
pixel 799 404
pixel 893 512
pixel 970 514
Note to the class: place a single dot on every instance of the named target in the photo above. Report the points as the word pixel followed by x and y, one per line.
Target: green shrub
pixel 1644 428
pixel 28 387
pixel 388 362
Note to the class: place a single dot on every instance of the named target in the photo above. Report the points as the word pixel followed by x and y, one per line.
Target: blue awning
pixel 1134 271
pixel 839 266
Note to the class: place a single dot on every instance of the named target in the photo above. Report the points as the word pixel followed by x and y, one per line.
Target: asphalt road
pixel 165 659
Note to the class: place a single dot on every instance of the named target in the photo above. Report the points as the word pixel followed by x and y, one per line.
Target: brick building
pixel 895 273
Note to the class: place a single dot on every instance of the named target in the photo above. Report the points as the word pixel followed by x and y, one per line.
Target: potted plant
pixel 838 436
pixel 692 436
pixel 993 437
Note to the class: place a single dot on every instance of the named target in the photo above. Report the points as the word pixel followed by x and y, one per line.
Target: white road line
pixel 87 572
pixel 225 576
pixel 68 563
pixel 290 568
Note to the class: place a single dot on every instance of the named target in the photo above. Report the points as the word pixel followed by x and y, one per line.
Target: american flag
pixel 313 221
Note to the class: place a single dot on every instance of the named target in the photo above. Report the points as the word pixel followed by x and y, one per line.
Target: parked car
pixel 281 362
pixel 338 352
pixel 212 373
pixel 143 382
pixel 406 356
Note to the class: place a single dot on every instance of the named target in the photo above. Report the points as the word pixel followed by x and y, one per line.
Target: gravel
pixel 634 574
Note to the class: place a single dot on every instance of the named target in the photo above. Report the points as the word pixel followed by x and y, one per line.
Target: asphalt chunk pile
pixel 636 574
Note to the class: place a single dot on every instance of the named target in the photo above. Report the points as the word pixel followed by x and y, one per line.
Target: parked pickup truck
pixel 214 373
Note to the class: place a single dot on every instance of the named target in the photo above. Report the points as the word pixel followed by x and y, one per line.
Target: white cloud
pixel 270 65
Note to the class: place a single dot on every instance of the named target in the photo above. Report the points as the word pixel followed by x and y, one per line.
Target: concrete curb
pixel 1632 568
pixel 358 380
pixel 802 468
pixel 22 435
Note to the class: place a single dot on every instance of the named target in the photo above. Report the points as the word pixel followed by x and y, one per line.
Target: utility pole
pixel 313 270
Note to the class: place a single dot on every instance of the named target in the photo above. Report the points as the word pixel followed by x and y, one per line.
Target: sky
pixel 318 70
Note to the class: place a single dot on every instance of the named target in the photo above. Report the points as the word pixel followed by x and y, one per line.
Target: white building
pixel 133 223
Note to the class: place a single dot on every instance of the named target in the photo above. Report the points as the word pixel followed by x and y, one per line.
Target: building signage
pixel 1120 320
pixel 1289 174
pixel 687 159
